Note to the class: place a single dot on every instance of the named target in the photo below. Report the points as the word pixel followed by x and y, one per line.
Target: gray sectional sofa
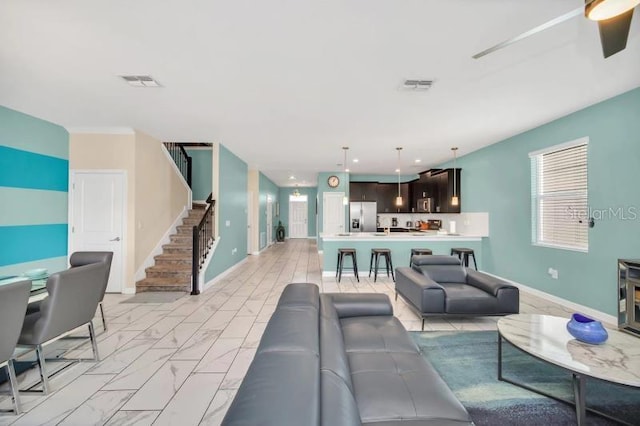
pixel 340 359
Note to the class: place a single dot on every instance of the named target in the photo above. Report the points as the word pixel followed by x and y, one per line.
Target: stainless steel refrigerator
pixel 363 216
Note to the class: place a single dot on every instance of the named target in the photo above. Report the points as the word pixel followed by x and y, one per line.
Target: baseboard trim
pixel 223 274
pixel 609 319
pixel 205 265
pixel 129 290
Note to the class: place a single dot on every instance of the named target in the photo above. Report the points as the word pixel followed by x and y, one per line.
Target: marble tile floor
pixel 180 363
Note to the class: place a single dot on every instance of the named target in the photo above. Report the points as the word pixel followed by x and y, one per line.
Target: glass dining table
pixel 38 286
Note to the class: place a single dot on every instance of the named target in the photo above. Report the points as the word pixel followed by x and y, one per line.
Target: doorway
pixel 97 217
pixel 269 221
pixel 333 212
pixel 298 216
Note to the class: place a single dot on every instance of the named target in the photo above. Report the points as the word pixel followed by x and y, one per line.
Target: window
pixel 559 203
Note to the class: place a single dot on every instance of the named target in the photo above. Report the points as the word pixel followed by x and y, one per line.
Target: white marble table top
pixel 546 337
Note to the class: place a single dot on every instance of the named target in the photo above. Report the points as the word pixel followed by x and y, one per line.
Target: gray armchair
pixel 81 258
pixel 13 305
pixel 72 301
pixel 441 286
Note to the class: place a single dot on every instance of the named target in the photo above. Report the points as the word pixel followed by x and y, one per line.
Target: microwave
pixel 425 205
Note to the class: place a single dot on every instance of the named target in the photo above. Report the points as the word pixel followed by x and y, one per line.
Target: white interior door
pixel 332 212
pixel 298 217
pixel 97 217
pixel 269 221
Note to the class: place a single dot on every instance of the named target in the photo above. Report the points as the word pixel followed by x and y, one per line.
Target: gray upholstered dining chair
pixel 81 258
pixel 72 301
pixel 13 305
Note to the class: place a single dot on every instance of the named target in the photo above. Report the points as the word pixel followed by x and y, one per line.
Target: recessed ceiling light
pixel 397 170
pixel 418 160
pixel 355 160
pixel 292 177
pixel 140 80
pixel 347 170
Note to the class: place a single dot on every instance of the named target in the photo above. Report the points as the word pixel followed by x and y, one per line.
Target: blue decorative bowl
pixel 587 329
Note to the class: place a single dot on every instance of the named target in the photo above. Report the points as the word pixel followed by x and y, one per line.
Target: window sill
pixel 559 247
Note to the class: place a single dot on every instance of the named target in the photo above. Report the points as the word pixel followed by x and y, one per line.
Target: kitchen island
pixel 400 244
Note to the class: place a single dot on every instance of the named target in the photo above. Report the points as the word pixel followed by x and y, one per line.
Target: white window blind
pixel 559 201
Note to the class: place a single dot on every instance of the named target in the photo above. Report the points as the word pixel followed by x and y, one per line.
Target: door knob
pixel 116 239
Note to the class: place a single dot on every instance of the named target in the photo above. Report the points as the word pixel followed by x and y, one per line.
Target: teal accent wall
pixel 201 172
pixel 34 176
pixel 231 206
pixel 267 189
pixel 496 179
pixel 312 198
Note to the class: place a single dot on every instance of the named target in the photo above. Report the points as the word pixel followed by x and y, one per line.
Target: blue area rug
pixel 468 363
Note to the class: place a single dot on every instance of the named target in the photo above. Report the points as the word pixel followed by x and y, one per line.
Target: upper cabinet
pixel 363 191
pixel 387 193
pixel 435 185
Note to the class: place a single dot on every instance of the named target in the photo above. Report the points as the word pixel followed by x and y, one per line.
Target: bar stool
pixel 418 252
pixel 342 252
pixel 463 254
pixel 377 253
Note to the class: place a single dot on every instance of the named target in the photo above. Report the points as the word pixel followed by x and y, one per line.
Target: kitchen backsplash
pixel 472 224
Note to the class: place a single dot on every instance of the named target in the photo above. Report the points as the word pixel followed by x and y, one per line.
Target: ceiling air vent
pixel 140 80
pixel 417 84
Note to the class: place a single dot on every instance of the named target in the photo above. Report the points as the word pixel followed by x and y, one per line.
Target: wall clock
pixel 333 181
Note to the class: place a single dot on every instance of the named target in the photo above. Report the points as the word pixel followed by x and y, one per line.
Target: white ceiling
pixel 285 84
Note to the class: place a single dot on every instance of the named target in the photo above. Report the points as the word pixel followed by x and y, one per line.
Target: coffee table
pixel 545 337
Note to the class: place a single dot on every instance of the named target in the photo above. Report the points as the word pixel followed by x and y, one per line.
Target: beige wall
pixel 110 151
pixel 160 194
pixel 155 194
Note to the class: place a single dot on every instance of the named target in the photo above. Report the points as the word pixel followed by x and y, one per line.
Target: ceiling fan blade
pixel 560 19
pixel 614 33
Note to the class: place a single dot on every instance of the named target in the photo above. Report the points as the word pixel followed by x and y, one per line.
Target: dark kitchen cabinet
pixel 446 191
pixel 387 193
pixel 437 184
pixel 363 191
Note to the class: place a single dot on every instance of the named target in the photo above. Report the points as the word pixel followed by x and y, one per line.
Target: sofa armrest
pixel 488 283
pixel 425 294
pixel 361 304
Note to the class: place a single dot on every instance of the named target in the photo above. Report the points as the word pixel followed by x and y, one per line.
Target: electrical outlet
pixel 234 251
pixel 227 223
pixel 553 273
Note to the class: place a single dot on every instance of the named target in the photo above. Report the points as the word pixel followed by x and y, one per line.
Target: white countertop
pixel 399 236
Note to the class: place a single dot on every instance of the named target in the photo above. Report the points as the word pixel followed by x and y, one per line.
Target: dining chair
pixel 72 301
pixel 81 258
pixel 13 305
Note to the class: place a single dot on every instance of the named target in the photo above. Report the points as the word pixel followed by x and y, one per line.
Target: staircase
pixel 172 269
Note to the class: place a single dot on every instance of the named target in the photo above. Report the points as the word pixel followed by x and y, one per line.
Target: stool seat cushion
pixel 462 250
pixel 381 250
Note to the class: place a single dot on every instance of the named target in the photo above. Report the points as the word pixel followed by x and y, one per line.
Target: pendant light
pixel 345 199
pixel 454 200
pixel 600 10
pixel 399 197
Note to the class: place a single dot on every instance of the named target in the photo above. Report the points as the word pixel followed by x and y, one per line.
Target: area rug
pixel 155 297
pixel 468 363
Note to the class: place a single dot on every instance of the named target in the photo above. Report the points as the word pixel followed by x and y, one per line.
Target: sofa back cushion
pixel 282 385
pixel 337 403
